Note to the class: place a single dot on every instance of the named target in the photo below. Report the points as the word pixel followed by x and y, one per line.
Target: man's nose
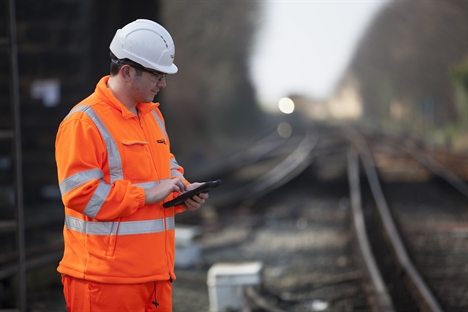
pixel 162 83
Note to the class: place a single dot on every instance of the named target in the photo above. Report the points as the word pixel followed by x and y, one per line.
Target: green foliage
pixel 460 74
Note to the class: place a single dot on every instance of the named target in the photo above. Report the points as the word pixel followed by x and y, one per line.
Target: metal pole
pixel 18 174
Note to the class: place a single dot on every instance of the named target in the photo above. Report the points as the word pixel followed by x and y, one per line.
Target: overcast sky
pixel 304 46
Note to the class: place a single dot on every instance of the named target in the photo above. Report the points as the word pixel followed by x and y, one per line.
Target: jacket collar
pixel 105 94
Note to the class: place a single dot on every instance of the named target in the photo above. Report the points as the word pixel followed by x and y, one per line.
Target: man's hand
pixel 164 189
pixel 196 201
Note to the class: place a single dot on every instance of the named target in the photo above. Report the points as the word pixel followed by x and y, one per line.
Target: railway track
pixel 399 286
pixel 305 208
pixel 431 220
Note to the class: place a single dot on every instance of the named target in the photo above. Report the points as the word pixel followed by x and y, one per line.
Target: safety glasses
pixel 154 73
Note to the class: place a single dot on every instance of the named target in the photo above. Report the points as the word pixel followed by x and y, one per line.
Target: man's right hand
pixel 164 189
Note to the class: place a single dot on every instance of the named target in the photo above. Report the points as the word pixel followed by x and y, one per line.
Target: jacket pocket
pixel 136 161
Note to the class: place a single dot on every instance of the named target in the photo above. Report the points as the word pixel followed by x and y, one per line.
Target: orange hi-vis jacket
pixel 106 157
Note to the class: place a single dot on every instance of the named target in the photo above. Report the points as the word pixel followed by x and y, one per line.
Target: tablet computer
pixel 204 188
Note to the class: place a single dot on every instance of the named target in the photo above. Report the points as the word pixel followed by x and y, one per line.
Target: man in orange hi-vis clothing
pixel 115 171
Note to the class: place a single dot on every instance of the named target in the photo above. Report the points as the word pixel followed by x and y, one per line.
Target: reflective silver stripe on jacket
pixel 97 200
pixel 170 223
pixel 161 125
pixel 78 179
pixel 115 166
pixel 147 185
pixel 174 164
pixel 115 162
pixel 118 228
pixel 174 167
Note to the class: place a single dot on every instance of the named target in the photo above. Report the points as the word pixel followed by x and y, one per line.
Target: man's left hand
pixel 196 201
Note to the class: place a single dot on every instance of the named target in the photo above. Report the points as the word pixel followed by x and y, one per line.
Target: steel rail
pixel 430 163
pixel 263 146
pixel 285 171
pixel 383 301
pixel 393 235
pixel 295 163
pixel 425 159
pixel 258 300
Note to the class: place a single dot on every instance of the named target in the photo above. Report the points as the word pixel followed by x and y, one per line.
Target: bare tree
pixel 211 99
pixel 408 55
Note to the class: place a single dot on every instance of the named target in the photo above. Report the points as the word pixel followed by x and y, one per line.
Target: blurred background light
pixel 286 105
pixel 284 129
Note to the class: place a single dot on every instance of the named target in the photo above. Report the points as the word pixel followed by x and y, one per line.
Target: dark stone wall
pixel 64 40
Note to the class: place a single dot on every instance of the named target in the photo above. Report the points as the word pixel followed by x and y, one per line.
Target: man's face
pixel 146 86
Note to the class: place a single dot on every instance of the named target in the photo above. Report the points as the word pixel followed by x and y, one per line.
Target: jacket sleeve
pixel 177 171
pixel 82 166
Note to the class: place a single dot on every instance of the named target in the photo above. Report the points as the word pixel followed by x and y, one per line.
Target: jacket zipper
pixel 165 214
pixel 149 146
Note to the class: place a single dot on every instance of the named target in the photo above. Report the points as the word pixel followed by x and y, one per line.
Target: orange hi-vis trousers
pixel 85 296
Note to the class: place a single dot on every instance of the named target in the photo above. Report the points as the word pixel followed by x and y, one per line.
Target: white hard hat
pixel 146 43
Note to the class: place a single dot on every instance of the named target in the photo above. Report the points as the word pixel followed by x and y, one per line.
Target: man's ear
pixel 125 72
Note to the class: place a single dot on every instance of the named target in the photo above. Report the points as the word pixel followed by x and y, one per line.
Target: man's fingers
pixel 203 195
pixel 181 185
pixel 178 185
pixel 192 203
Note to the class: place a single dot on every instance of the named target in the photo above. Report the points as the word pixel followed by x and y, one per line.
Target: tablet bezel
pixel 204 188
